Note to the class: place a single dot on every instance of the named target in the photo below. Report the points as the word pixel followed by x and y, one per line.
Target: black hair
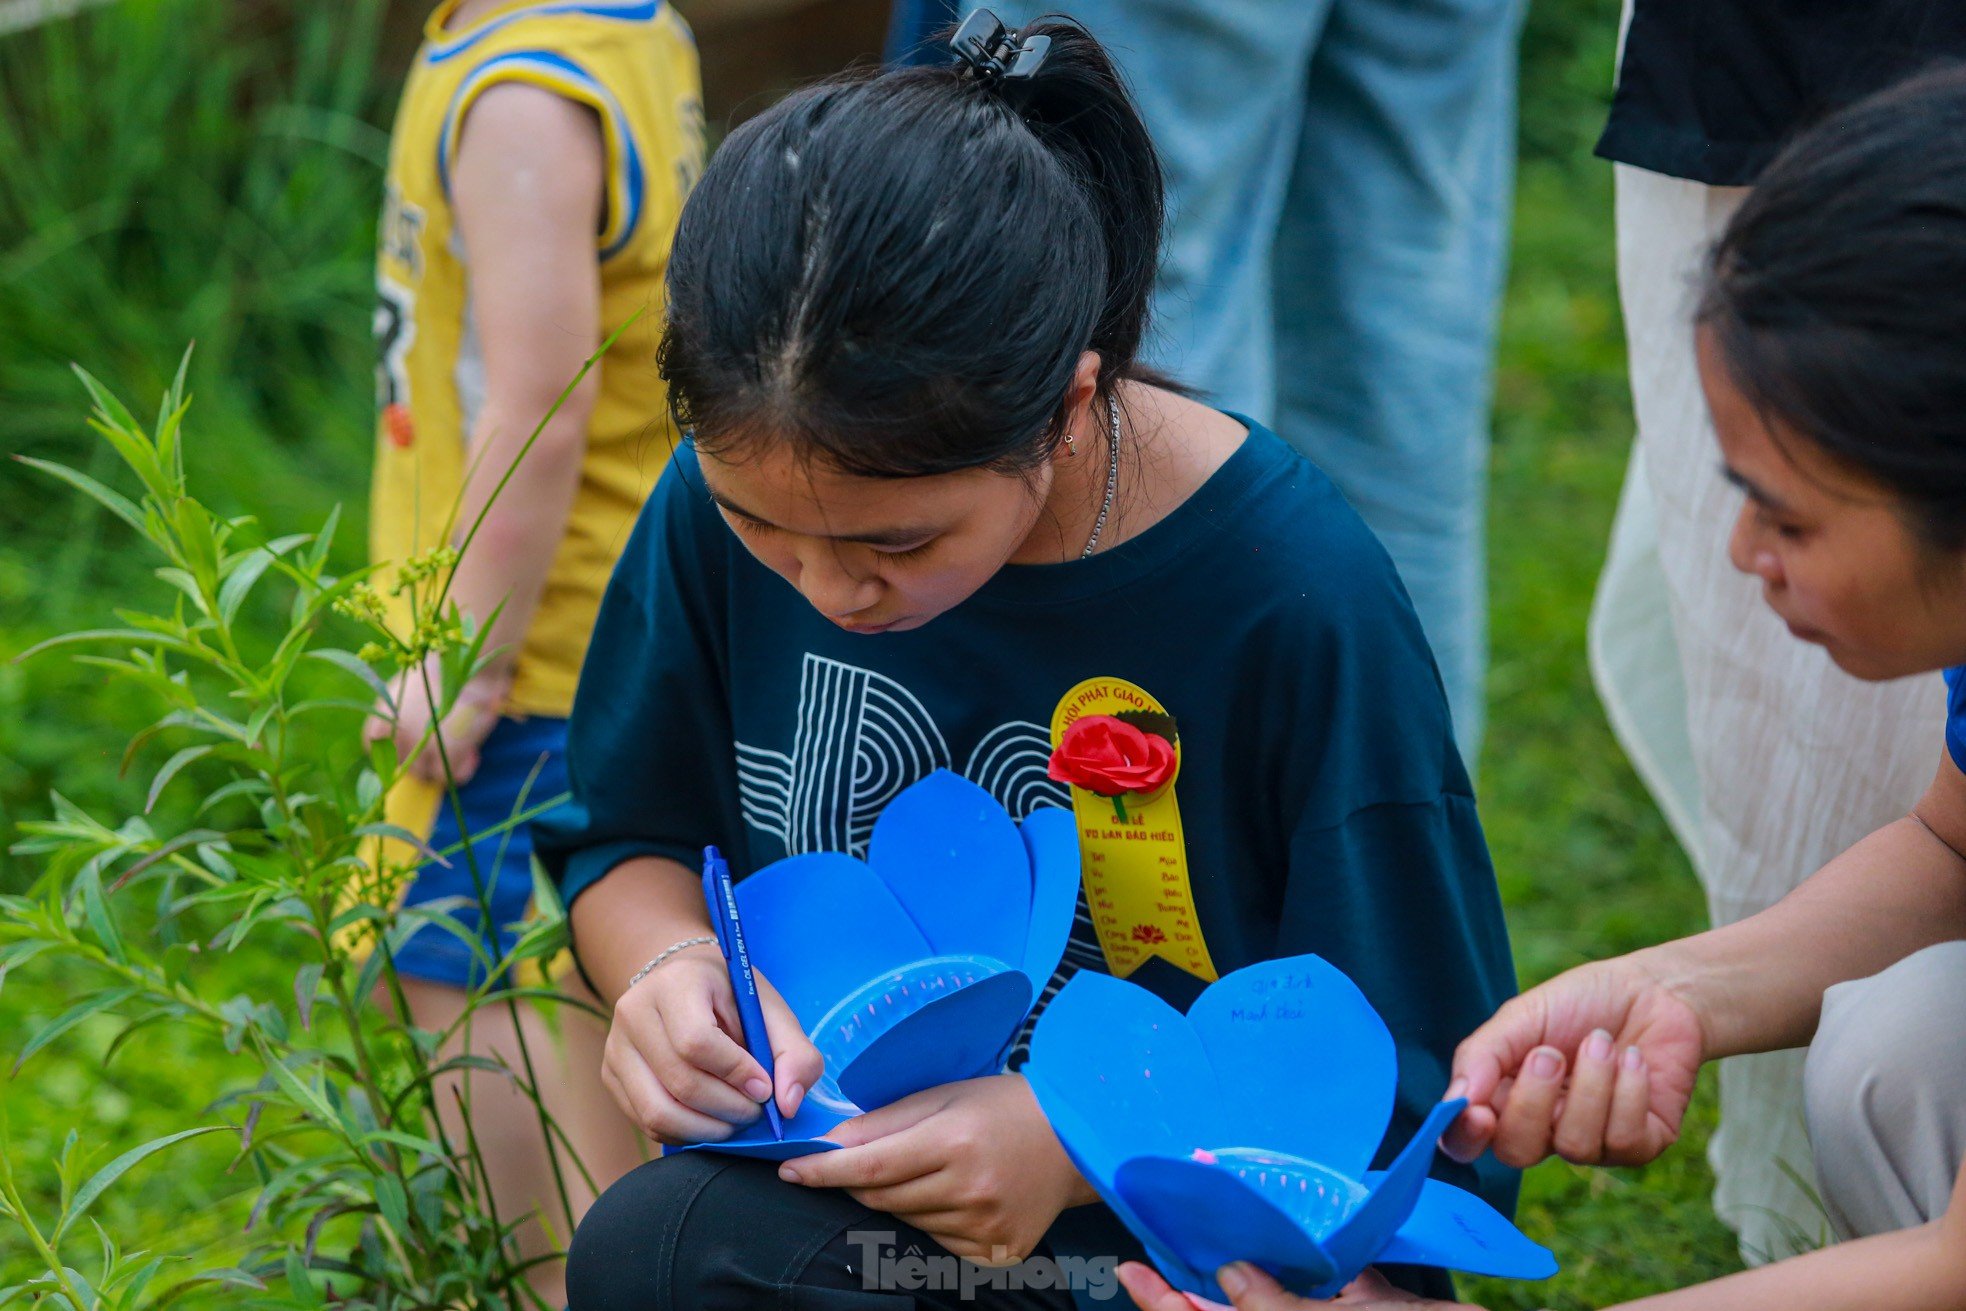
pixel 901 271
pixel 1837 295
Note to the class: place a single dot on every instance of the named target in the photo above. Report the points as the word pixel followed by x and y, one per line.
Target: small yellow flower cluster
pixel 363 604
pixel 436 634
pixel 437 562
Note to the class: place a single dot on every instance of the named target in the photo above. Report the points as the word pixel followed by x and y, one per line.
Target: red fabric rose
pixel 1109 757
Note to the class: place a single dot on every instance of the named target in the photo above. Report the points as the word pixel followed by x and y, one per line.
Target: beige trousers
pixel 1886 1089
pixel 1765 758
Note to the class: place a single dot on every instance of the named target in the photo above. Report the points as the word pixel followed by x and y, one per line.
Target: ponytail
pixel 1079 107
pixel 900 271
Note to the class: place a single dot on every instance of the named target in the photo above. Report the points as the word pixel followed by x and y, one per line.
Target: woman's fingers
pixel 1149 1291
pixel 1498 1048
pixel 1629 1134
pixel 1471 1132
pixel 1251 1289
pixel 1484 1068
pixel 1522 1136
pixel 1586 1109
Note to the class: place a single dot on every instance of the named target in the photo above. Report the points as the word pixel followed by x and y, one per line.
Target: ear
pixel 1085 385
pixel 1084 388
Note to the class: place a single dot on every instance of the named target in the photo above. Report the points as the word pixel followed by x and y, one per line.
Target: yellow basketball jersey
pixel 633 62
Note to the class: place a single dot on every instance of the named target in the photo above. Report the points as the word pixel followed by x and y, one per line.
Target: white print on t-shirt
pixel 860 738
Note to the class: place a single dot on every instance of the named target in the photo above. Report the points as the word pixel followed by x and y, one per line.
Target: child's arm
pixel 527 188
pixel 675 1058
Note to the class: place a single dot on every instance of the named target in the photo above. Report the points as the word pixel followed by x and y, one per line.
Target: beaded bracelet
pixel 665 954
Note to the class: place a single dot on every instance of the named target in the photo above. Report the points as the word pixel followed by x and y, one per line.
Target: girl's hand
pixel 1252 1290
pixel 675 1058
pixel 974 1165
pixel 1595 1066
pixel 470 721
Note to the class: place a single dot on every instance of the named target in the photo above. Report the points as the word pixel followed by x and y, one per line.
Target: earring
pixel 1071 445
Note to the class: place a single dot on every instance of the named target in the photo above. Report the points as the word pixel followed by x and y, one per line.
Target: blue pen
pixel 722 899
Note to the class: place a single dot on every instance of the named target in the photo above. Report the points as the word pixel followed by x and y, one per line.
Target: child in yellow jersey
pixel 541 155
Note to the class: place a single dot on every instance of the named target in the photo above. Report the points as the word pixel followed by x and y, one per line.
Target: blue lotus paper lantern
pixel 917 966
pixel 1243 1131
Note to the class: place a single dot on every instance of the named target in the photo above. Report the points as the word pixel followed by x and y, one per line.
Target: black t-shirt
pixel 1710 89
pixel 1323 800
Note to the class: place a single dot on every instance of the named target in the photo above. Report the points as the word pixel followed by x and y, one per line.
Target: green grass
pixel 1586 863
pixel 1587 866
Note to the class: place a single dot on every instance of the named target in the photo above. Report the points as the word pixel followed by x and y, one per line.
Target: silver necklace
pixel 1112 474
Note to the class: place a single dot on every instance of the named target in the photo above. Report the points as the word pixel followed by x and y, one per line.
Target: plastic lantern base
pixel 1317 1198
pixel 931 1022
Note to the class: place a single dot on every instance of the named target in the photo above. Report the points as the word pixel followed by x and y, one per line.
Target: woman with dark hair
pixel 931 492
pixel 1735 727
pixel 1832 343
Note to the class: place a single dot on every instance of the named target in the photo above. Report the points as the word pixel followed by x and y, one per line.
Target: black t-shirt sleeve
pixel 649 744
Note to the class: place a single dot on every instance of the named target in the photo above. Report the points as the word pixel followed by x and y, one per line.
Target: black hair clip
pixel 992 54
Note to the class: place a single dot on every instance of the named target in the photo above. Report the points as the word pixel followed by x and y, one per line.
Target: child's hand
pixel 1595 1066
pixel 470 721
pixel 675 1058
pixel 974 1165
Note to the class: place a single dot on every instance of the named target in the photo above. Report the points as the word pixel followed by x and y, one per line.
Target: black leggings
pixel 701 1232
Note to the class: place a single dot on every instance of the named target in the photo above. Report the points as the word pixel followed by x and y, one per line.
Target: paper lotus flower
pixel 917 966
pixel 1243 1131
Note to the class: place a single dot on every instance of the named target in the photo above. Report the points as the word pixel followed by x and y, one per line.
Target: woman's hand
pixel 675 1058
pixel 471 719
pixel 1595 1066
pixel 1370 1290
pixel 974 1165
pixel 1252 1290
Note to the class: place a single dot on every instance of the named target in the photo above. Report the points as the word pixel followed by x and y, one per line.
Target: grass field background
pixel 139 210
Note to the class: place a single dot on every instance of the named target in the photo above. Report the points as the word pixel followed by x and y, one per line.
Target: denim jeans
pixel 1339 176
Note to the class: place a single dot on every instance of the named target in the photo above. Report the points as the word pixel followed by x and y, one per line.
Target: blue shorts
pixel 506 784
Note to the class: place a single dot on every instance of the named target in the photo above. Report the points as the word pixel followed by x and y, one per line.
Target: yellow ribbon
pixel 1136 869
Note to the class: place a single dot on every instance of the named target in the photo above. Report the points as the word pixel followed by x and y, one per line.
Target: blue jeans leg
pixel 1221 86
pixel 1339 174
pixel 1388 272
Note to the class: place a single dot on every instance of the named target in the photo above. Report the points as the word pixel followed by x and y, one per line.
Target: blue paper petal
pixel 1209 1218
pixel 954 862
pixel 1078 1139
pixel 1129 1067
pixel 959 1035
pixel 793 911
pixel 1307 1061
pixel 1357 1243
pixel 1051 839
pixel 1453 1228
pixel 802 1136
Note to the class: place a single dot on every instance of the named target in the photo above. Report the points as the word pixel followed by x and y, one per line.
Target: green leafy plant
pixel 361 1194
pixel 171 171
